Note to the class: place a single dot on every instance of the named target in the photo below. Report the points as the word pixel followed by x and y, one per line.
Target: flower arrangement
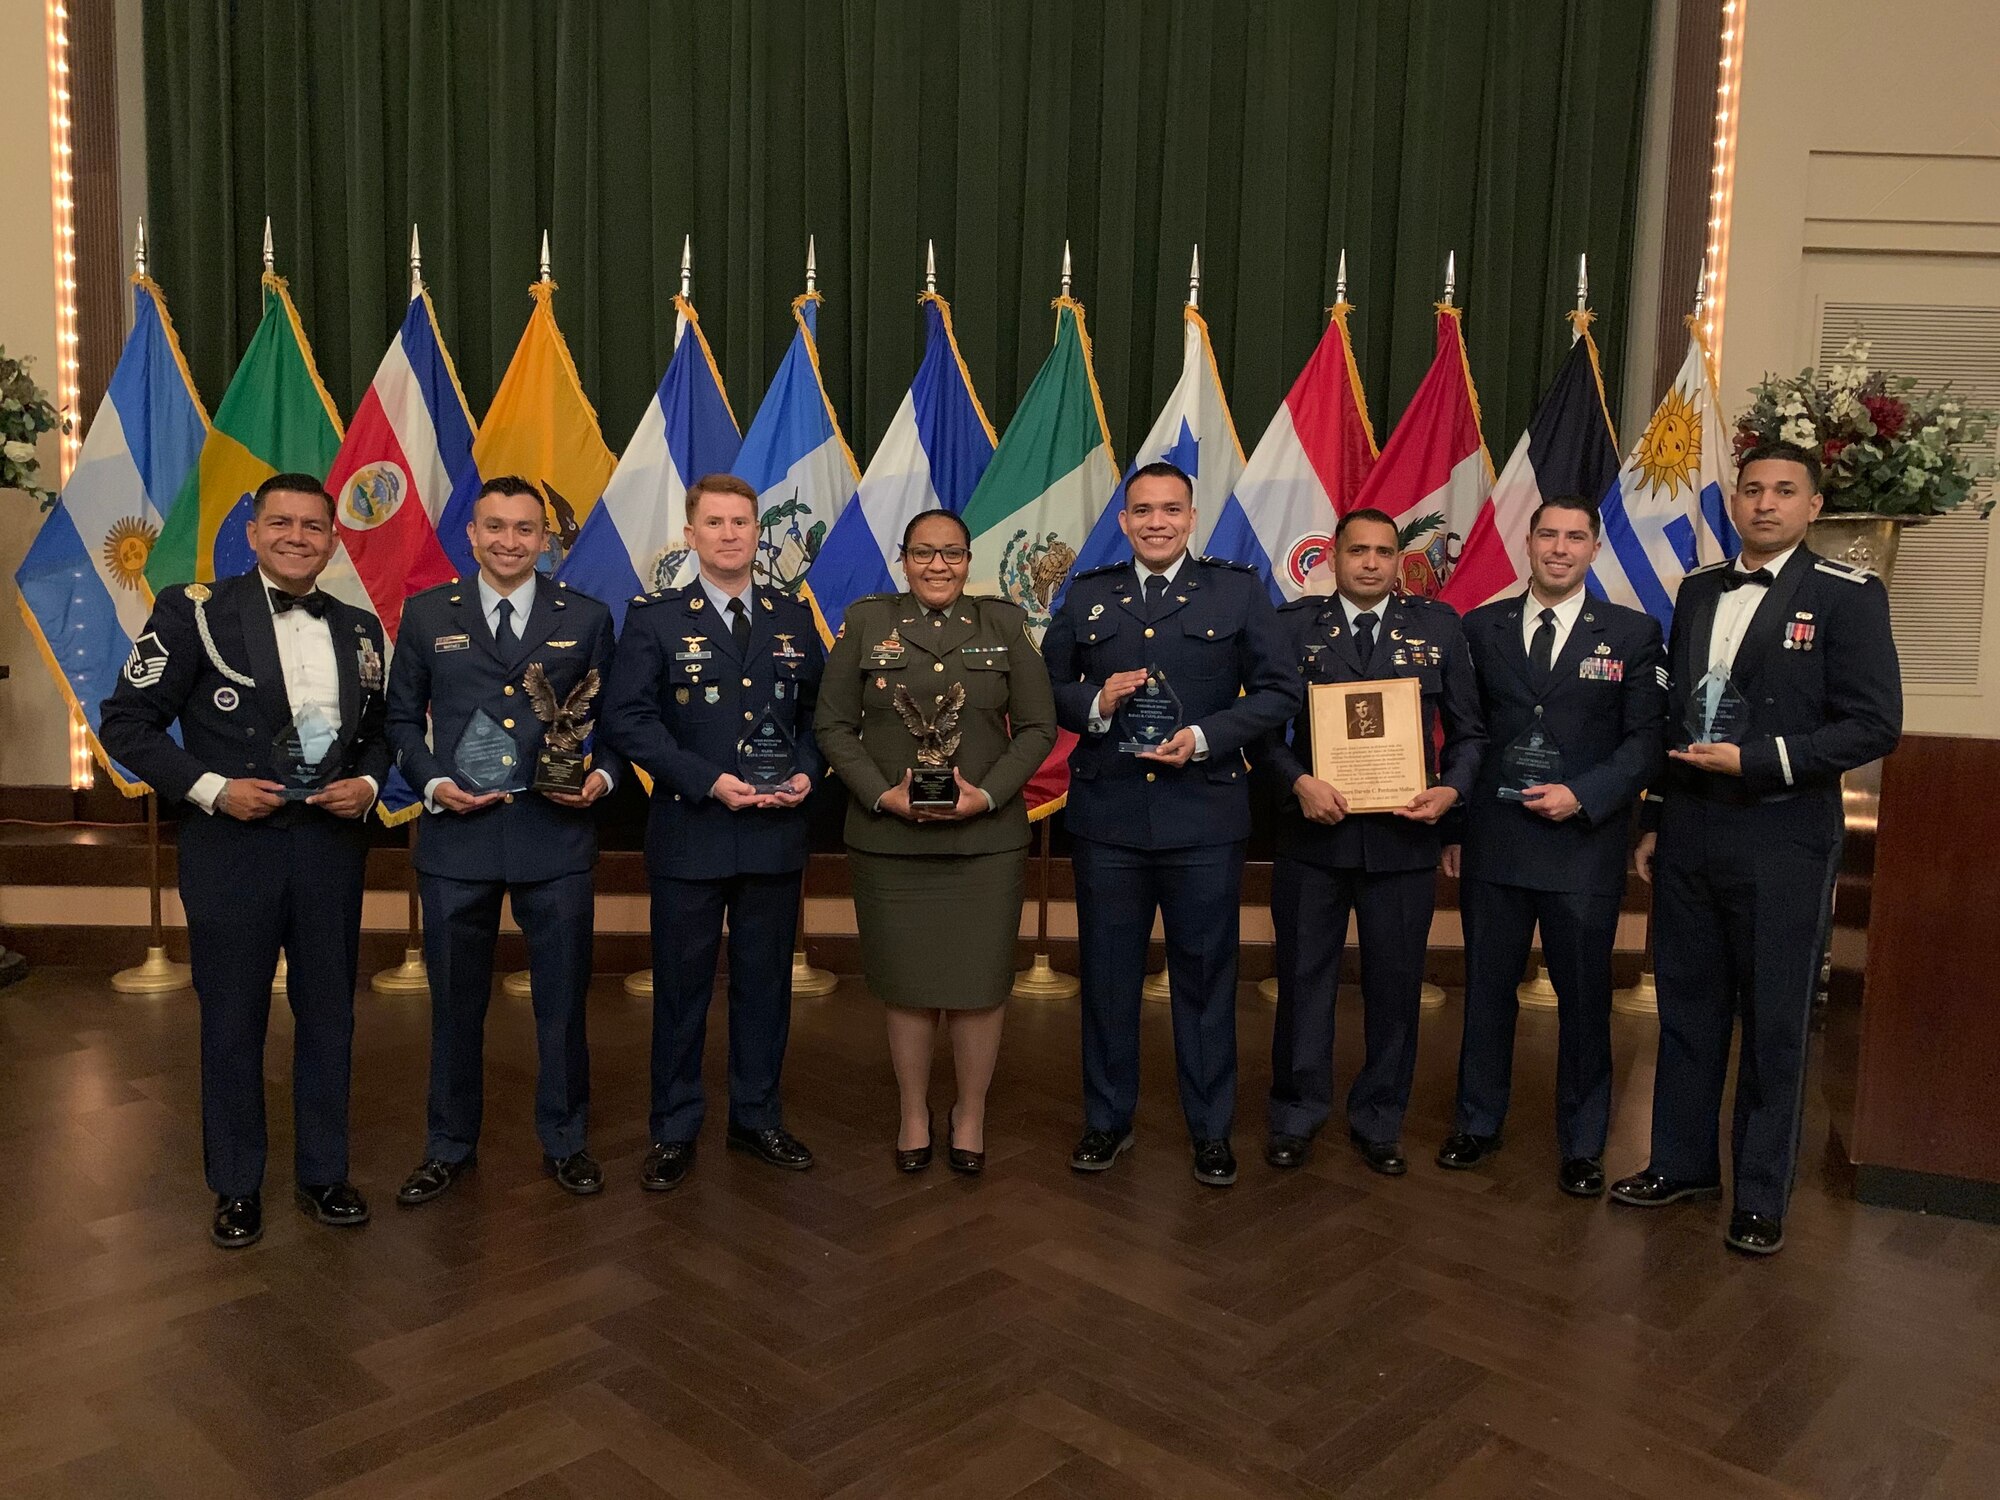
pixel 25 414
pixel 1885 448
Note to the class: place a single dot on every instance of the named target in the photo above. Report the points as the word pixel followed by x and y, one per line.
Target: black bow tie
pixel 1735 579
pixel 313 603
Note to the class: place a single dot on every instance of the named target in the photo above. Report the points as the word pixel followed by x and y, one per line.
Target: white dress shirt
pixel 1734 610
pixel 721 600
pixel 1100 722
pixel 312 679
pixel 1567 614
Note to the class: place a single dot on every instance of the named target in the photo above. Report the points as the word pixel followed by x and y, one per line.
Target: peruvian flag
pixel 1308 470
pixel 407 452
pixel 1434 474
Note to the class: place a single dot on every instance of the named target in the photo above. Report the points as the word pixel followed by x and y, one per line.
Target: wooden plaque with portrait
pixel 1368 740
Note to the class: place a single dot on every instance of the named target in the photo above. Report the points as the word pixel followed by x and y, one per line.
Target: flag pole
pixel 930 268
pixel 1431 996
pixel 279 976
pixel 158 975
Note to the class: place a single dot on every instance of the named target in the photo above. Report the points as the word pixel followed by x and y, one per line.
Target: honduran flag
pixel 1667 513
pixel 937 446
pixel 406 459
pixel 1195 433
pixel 1307 471
pixel 1434 473
pixel 1568 449
pixel 83 582
pixel 632 543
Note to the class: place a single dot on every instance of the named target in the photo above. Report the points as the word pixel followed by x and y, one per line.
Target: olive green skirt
pixel 938 930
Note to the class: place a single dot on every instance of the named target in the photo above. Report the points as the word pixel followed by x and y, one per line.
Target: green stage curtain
pixel 1274 132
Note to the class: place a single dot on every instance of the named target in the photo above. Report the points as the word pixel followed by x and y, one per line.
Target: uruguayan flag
pixel 83 583
pixel 930 458
pixel 632 543
pixel 796 459
pixel 1667 515
pixel 1195 433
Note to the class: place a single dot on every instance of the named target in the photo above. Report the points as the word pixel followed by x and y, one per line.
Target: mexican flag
pixel 1037 501
pixel 276 417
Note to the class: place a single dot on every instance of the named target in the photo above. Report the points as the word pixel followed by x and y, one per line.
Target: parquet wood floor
pixel 850 1332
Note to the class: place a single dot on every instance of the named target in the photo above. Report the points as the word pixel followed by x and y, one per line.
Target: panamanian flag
pixel 83 582
pixel 1195 433
pixel 1307 471
pixel 632 542
pixel 931 458
pixel 406 459
pixel 1666 514
pixel 1568 449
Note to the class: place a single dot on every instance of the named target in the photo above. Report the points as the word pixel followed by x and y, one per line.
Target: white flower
pixel 19 452
pixel 1799 430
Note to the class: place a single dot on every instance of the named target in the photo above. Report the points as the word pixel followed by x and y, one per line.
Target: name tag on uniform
pixel 1601 669
pixel 451 643
pixel 695 651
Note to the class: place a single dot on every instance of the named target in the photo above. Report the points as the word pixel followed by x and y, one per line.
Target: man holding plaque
pixel 1573 691
pixel 1358 832
pixel 1783 675
pixel 712 694
pixel 1165 668
pixel 278 690
pixel 503 672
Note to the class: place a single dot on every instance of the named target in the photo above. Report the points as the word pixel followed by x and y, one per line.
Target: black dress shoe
pixel 576 1173
pixel 1286 1151
pixel 1649 1189
pixel 1099 1149
pixel 431 1178
pixel 919 1158
pixel 1385 1157
pixel 1581 1176
pixel 1754 1234
pixel 778 1146
pixel 239 1222
pixel 1214 1163
pixel 667 1166
pixel 965 1163
pixel 336 1204
pixel 1462 1151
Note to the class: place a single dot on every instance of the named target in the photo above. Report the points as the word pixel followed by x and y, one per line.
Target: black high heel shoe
pixel 917 1160
pixel 965 1163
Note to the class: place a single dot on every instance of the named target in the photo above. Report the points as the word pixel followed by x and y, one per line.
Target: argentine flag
pixel 797 461
pixel 83 583
pixel 631 542
pixel 1195 433
pixel 1666 514
pixel 930 458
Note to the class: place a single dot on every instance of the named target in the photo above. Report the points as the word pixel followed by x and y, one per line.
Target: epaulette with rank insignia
pixel 876 599
pixel 1706 568
pixel 1223 562
pixel 1838 569
pixel 1101 569
pixel 653 598
pixel 1307 601
pixel 436 588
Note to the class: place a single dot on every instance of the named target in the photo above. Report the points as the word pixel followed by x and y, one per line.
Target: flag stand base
pixel 639 984
pixel 809 983
pixel 519 984
pixel 1041 981
pixel 409 977
pixel 1536 992
pixel 158 975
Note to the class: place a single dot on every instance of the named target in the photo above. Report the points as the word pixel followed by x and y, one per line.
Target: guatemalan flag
pixel 1195 433
pixel 930 458
pixel 1666 514
pixel 407 457
pixel 796 459
pixel 1308 470
pixel 83 583
pixel 633 543
pixel 1568 449
pixel 1434 474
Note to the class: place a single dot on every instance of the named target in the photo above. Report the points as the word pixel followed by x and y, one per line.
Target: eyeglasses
pixel 923 555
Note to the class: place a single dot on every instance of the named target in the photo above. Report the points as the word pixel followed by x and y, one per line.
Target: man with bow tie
pixel 1783 676
pixel 277 687
pixel 470 659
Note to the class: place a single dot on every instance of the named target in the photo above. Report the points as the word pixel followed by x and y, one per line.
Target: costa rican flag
pixel 406 457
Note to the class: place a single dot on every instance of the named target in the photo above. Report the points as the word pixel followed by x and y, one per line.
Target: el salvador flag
pixel 631 543
pixel 82 584
pixel 1195 433
pixel 930 458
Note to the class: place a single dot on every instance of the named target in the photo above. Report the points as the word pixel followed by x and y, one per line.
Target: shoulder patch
pixel 1842 570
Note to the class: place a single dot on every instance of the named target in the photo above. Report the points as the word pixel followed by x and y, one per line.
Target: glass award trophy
pixel 487 758
pixel 303 753
pixel 1717 711
pixel 1149 717
pixel 767 757
pixel 1532 759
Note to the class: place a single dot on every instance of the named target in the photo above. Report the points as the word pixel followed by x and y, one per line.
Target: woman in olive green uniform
pixel 937 894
